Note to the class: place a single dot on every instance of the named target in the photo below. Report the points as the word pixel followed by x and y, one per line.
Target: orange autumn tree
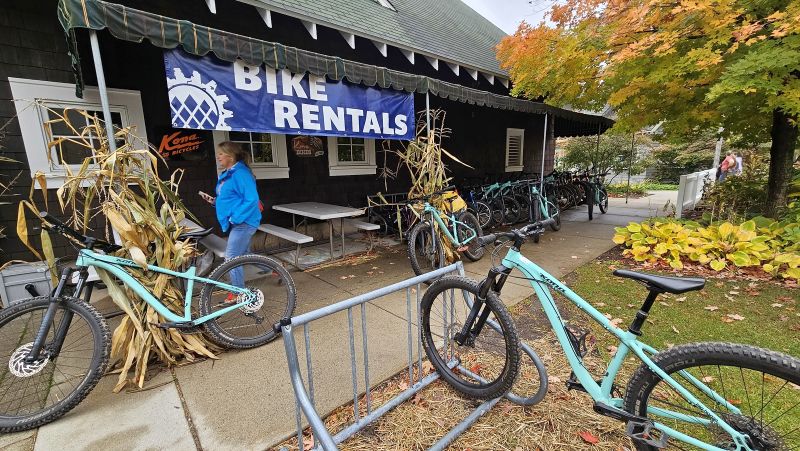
pixel 694 64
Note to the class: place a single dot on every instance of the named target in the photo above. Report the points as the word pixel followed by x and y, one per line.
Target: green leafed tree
pixel 694 64
pixel 614 153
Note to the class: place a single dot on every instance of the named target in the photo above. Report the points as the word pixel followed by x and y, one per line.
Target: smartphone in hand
pixel 207 197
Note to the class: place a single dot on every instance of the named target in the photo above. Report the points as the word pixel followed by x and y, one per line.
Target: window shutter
pixel 514 148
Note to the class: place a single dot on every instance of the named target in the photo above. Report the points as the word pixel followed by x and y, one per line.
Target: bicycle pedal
pixel 642 432
pixel 463 248
pixel 573 384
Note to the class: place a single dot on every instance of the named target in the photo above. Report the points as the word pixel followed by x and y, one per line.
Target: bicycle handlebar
pixel 530 229
pixel 88 241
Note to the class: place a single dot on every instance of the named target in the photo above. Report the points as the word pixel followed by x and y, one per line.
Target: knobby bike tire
pixel 418 238
pixel 484 214
pixel 474 250
pixel 777 366
pixel 555 213
pixel 603 204
pixel 537 216
pixel 506 377
pixel 498 211
pixel 215 329
pixel 589 199
pixel 511 210
pixel 101 342
pixel 524 206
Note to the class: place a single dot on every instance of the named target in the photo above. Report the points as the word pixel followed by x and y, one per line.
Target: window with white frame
pixel 351 156
pixel 53 99
pixel 267 152
pixel 72 143
pixel 515 138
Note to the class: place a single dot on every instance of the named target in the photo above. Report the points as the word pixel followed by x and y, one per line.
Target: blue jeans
pixel 238 244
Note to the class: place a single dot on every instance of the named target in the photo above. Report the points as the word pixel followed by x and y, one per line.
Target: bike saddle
pixel 195 234
pixel 662 284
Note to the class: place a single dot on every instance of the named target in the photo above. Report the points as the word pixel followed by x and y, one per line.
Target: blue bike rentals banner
pixel 210 94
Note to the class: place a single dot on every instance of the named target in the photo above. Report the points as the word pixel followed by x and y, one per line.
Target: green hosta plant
pixel 772 246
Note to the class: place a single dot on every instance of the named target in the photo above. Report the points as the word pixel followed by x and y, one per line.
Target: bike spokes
pixel 764 407
pixel 28 387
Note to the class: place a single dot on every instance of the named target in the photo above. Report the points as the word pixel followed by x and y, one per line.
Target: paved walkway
pixel 245 400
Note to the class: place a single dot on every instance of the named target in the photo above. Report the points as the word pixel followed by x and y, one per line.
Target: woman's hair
pixel 235 151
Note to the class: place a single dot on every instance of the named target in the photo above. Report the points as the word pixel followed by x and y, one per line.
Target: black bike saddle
pixel 664 284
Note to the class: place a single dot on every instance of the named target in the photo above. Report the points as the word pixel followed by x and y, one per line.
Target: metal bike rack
pixel 304 395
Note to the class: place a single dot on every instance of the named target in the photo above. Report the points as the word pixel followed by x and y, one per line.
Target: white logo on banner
pixel 196 104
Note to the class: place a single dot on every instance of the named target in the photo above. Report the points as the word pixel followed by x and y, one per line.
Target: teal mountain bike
pixel 711 396
pixel 425 249
pixel 54 349
pixel 542 207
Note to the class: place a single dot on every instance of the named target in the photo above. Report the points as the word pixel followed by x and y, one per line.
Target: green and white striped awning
pixel 135 25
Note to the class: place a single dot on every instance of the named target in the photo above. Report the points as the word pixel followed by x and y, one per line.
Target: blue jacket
pixel 237 198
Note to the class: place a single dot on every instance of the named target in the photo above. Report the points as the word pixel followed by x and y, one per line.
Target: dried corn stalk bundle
pixel 146 212
pixel 423 159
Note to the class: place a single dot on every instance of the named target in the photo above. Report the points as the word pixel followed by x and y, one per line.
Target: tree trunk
pixel 781 159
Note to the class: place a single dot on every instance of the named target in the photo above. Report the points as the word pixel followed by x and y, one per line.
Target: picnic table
pixel 322 212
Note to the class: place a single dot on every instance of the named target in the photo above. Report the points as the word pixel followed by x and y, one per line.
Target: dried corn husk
pixel 145 211
pixel 423 159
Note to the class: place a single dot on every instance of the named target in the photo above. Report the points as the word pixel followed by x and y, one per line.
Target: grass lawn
pixel 757 313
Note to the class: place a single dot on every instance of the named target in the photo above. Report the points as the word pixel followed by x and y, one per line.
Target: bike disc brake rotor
pixel 255 299
pixel 20 368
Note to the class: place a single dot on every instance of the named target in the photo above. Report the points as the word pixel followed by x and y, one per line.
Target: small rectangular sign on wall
pixel 210 94
pixel 182 144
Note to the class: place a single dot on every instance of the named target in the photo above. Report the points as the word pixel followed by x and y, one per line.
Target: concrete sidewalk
pixel 245 400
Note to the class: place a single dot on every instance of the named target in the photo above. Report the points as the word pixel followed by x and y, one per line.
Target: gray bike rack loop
pixel 304 397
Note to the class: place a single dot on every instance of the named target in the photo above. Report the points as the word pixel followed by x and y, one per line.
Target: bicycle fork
pixel 49 317
pixel 479 312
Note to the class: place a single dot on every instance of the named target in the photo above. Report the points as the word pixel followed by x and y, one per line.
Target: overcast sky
pixel 507 14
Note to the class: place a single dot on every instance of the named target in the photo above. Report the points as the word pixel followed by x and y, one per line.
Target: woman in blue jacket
pixel 237 203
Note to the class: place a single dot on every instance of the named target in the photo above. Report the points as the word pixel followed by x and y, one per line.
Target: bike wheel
pixel 511 210
pixel 555 213
pixel 590 200
pixel 524 207
pixel 487 363
pixel 762 384
pixel 498 212
pixel 39 392
pixel 380 221
pixel 484 214
pixel 603 201
pixel 474 251
pixel 424 249
pixel 272 297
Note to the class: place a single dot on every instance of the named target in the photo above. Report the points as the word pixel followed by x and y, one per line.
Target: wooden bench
pixel 288 235
pixel 368 227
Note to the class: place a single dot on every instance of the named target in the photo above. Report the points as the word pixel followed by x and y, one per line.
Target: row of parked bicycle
pixel 522 200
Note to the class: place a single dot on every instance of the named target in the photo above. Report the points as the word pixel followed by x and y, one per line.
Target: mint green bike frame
pixel 116 265
pixel 453 237
pixel 545 206
pixel 628 343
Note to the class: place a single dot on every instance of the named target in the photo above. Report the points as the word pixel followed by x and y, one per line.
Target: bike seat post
pixel 636 326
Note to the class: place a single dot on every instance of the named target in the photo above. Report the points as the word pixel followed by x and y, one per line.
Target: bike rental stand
pixel 304 394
